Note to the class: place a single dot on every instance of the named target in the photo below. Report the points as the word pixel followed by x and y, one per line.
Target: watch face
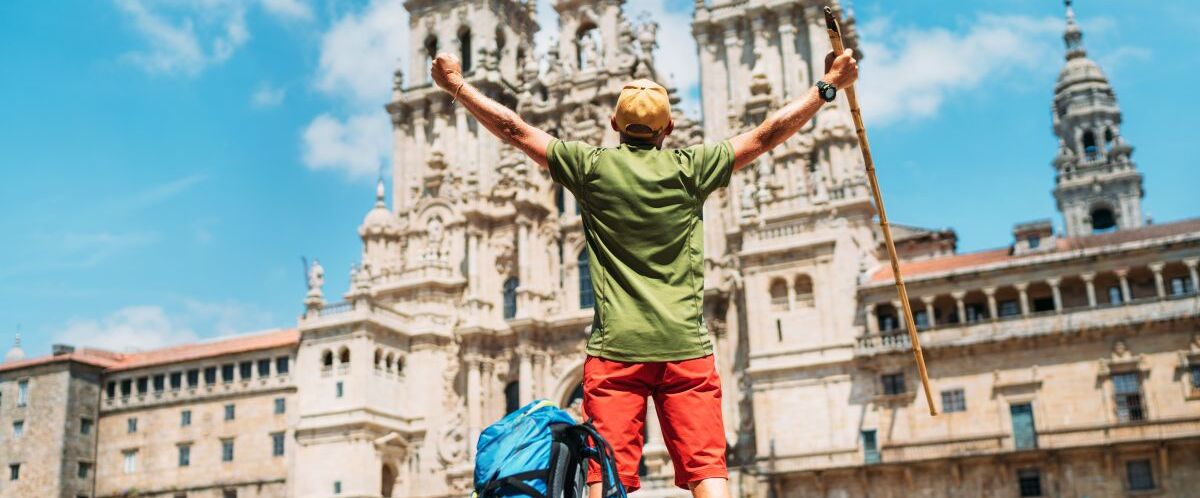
pixel 829 93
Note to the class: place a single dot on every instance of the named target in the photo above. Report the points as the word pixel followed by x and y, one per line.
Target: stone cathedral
pixel 1065 364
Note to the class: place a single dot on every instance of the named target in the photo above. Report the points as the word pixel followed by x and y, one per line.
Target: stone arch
pixel 344 356
pixel 378 357
pixel 570 378
pixel 391 359
pixel 779 295
pixel 327 359
pixel 1102 217
pixel 804 291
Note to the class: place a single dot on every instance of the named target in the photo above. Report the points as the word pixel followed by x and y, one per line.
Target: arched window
pixel 344 355
pixel 501 39
pixel 431 50
pixel 587 297
pixel 779 295
pixel 512 400
pixel 1089 144
pixel 391 358
pixel 1108 139
pixel 804 291
pixel 464 45
pixel 378 358
pixel 1103 219
pixel 327 359
pixel 399 364
pixel 510 297
pixel 587 44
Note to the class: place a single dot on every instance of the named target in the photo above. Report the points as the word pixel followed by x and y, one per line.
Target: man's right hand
pixel 842 70
pixel 447 72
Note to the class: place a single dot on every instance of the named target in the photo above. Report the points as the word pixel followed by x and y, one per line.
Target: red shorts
pixel 687 397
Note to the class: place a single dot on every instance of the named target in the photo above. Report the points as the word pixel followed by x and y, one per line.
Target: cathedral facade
pixel 1066 364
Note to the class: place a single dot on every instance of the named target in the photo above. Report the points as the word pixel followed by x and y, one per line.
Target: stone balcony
pixel 1033 325
pixel 203 391
pixel 364 311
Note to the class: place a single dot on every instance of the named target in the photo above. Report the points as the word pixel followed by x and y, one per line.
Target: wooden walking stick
pixel 835 37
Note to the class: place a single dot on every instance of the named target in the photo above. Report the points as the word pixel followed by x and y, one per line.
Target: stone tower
pixel 1097 185
pixel 790 234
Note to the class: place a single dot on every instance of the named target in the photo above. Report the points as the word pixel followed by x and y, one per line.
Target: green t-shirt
pixel 642 218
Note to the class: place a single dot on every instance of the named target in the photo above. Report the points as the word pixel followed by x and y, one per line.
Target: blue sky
pixel 167 163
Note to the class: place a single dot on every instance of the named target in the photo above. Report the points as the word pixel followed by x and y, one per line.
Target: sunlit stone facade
pixel 1064 365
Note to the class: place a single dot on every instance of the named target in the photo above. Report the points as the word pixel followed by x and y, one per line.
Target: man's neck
pixel 641 142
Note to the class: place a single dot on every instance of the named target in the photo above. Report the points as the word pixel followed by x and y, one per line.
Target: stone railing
pixel 1046 323
pixel 335 308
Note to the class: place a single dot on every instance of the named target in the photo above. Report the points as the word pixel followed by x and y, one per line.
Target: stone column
pixel 990 292
pixel 524 374
pixel 1191 266
pixel 959 306
pixel 474 415
pixel 1022 289
pixel 733 61
pixel 872 320
pixel 487 400
pixel 1123 275
pixel 1157 268
pixel 928 300
pixel 1089 280
pixel 1054 289
pixel 901 322
pixel 473 262
pixel 787 40
pixel 540 389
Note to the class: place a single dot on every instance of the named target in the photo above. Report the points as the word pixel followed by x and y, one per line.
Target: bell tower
pixel 1097 185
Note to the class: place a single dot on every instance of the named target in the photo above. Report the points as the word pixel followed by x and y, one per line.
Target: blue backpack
pixel 539 451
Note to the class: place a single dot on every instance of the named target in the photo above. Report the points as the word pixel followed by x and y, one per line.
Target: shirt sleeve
pixel 712 166
pixel 567 162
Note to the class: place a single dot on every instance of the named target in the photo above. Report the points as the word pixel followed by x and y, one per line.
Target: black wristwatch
pixel 828 92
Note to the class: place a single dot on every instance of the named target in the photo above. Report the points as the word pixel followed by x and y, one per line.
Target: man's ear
pixel 612 121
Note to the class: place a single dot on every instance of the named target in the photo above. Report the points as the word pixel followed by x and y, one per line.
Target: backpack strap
pixel 602 453
pixel 516 482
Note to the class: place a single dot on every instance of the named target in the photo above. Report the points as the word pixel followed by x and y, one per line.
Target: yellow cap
pixel 643 109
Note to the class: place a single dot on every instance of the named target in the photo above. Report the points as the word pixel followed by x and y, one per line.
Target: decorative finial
pixel 379 191
pixel 1073 36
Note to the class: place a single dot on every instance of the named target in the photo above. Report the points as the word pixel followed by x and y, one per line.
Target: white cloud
pixel 267 96
pixel 142 327
pixel 359 53
pixel 127 329
pixel 291 9
pixel 356 146
pixel 176 35
pixel 909 76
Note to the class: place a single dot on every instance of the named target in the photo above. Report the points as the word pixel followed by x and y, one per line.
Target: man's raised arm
pixel 840 72
pixel 501 121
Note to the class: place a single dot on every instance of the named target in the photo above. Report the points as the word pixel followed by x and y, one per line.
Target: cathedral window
pixel 1089 144
pixel 327 359
pixel 510 297
pixel 1140 475
pixel 344 356
pixel 1103 219
pixel 804 291
pixel 587 297
pixel 378 358
pixel 464 45
pixel 391 359
pixel 1127 389
pixel 1029 482
pixel 1181 286
pixel 779 295
pixel 893 384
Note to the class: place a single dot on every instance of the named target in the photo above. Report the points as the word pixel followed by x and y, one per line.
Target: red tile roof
pixel 980 258
pixel 115 362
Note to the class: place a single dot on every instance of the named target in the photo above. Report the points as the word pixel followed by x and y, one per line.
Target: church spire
pixel 1097 186
pixel 1073 35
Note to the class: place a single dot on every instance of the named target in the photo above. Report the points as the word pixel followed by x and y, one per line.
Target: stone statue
pixel 316 277
pixel 1120 351
pixel 590 48
pixel 648 39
